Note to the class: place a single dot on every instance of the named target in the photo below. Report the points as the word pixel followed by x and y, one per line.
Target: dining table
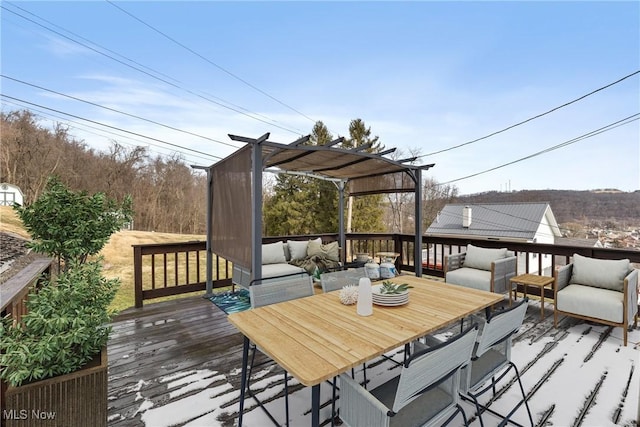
pixel 317 338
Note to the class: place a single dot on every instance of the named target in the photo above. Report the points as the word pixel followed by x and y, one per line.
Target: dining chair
pixel 334 280
pixel 269 291
pixel 491 359
pixel 425 393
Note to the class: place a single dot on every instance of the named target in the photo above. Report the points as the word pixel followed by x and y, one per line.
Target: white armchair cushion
pixel 273 253
pixel 600 273
pixel 481 258
pixel 471 278
pixel 591 301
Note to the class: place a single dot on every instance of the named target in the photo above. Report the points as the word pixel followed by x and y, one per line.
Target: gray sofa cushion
pixel 282 269
pixel 481 258
pixel 591 301
pixel 470 277
pixel 273 253
pixel 600 273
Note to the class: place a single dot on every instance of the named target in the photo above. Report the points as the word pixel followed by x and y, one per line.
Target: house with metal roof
pixel 514 222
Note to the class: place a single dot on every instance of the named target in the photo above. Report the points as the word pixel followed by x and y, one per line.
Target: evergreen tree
pixel 367 211
pixel 302 205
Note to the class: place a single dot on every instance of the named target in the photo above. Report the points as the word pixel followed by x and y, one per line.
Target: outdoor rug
pixel 232 301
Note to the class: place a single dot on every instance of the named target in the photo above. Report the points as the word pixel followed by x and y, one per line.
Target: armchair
pixel 597 290
pixel 481 268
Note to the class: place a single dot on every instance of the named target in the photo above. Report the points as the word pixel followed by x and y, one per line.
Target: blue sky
pixel 425 76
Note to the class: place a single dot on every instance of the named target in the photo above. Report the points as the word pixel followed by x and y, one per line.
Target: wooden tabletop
pixel 317 338
pixel 532 279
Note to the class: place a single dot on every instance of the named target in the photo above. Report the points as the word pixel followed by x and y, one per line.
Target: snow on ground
pixel 575 371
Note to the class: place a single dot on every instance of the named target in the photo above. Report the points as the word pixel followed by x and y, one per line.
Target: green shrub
pixel 65 327
pixel 71 226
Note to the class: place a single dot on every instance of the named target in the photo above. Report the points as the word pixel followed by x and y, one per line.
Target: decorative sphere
pixel 349 295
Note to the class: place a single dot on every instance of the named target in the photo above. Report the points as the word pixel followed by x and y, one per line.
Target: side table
pixel 532 280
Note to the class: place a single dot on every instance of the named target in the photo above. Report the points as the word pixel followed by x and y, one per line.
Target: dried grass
pixel 117 254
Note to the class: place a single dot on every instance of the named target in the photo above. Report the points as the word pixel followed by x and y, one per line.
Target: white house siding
pixel 10 194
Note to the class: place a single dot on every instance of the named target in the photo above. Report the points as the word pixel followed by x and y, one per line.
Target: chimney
pixel 466 217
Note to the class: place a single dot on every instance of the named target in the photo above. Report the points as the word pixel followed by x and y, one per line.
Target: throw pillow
pixel 599 273
pixel 330 251
pixel 481 258
pixel 273 253
pixel 297 249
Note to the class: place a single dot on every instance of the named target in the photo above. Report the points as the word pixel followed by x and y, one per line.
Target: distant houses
pixel 10 194
pixel 512 222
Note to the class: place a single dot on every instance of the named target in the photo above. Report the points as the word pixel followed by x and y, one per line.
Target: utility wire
pixel 165 81
pixel 532 118
pixel 109 126
pixel 210 61
pixel 603 129
pixel 85 127
pixel 116 111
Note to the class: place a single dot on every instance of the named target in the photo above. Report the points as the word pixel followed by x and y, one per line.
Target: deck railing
pixel 159 270
pixel 14 294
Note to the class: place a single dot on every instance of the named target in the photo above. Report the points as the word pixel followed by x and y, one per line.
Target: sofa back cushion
pixel 297 249
pixel 599 273
pixel 330 251
pixel 481 258
pixel 273 253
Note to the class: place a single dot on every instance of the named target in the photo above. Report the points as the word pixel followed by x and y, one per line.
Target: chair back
pixel 429 368
pixel 273 290
pixel 500 326
pixel 334 280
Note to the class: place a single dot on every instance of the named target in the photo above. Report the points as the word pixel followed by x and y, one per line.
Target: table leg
pixel 315 405
pixel 542 303
pixel 243 378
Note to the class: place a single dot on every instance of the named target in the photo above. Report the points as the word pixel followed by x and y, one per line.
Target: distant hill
pixel 594 206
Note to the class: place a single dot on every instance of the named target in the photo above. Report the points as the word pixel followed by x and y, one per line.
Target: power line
pixel 109 126
pixel 238 110
pixel 210 61
pixel 84 127
pixel 603 129
pixel 117 111
pixel 534 117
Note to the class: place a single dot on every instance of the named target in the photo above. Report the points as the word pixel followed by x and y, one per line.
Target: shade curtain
pixel 231 208
pixel 398 182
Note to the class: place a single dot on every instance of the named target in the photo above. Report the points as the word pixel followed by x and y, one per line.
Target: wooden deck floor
pixel 169 351
pixel 151 344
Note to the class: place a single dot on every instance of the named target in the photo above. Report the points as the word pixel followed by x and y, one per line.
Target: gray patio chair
pixel 424 394
pixel 269 291
pixel 491 359
pixel 335 280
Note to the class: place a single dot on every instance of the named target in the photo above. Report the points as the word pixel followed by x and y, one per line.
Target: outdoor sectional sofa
pixel 291 257
pixel 598 290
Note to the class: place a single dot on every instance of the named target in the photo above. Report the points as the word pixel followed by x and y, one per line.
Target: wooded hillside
pixel 587 207
pixel 169 196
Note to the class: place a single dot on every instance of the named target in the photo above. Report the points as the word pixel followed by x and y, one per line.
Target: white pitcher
pixel 365 300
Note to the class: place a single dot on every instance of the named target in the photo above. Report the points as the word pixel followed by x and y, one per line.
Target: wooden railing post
pixel 137 275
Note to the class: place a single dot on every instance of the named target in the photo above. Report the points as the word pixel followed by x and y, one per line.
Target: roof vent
pixel 466 217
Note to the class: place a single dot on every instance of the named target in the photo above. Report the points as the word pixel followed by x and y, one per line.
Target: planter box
pixel 78 399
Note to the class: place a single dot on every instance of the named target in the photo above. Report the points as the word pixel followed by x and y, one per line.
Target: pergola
pixel 234 213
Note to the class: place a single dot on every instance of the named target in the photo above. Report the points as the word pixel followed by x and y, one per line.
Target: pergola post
pixel 256 203
pixel 341 236
pixel 417 256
